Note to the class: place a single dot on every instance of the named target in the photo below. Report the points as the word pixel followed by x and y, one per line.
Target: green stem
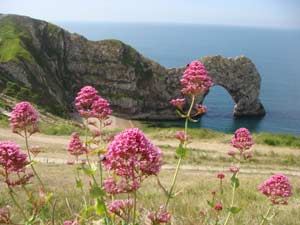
pixel 30 159
pixel 232 202
pixel 16 203
pixel 93 177
pixel 99 156
pixel 134 207
pixel 180 158
pixel 265 216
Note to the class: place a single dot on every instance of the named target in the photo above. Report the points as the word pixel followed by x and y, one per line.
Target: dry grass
pixel 194 187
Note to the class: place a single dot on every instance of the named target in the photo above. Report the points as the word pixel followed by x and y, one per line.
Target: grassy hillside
pixel 11 42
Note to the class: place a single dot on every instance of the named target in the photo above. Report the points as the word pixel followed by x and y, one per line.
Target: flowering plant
pixel 116 169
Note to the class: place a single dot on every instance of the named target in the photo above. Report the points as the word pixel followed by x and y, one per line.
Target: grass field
pixel 195 190
pixel 207 155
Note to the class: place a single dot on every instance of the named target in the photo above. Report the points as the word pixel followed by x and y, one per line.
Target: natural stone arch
pixel 241 79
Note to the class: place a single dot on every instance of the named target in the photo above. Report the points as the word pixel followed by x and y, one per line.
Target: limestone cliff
pixel 51 65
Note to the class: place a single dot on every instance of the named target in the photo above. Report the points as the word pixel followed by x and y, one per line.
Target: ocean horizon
pixel 274 51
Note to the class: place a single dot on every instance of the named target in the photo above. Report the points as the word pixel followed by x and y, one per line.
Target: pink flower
pixel 24 117
pixel 181 136
pixel 70 222
pixel 277 188
pixel 11 157
pixel 132 155
pixel 5 215
pixel 101 108
pixel 234 169
pixel 120 207
pixel 115 186
pixel 242 139
pixel 178 103
pixel 159 217
pixel 13 161
pixel 76 146
pixel 221 176
pixel 218 206
pixel 231 152
pixel 201 109
pixel 84 100
pixel 195 79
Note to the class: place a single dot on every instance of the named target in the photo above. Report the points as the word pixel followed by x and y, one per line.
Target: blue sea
pixel 275 52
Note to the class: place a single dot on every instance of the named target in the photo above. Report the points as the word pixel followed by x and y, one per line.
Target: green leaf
pixel 235 181
pixel 211 204
pixel 87 211
pixel 79 183
pixel 91 170
pixel 96 192
pixel 234 210
pixel 99 207
pixel 181 151
pixel 180 114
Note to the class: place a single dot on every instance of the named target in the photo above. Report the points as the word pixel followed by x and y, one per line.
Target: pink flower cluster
pixel 181 136
pixel 5 215
pixel 132 156
pixel 76 146
pixel 159 217
pixel 24 117
pixel 178 103
pixel 200 109
pixel 221 176
pixel 195 79
pixel 218 206
pixel 101 108
pixel 120 207
pixel 90 104
pixel 13 161
pixel 242 141
pixel 11 157
pixel 71 222
pixel 277 188
pixel 122 185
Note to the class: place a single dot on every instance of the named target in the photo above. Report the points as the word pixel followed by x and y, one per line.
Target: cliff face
pixel 53 64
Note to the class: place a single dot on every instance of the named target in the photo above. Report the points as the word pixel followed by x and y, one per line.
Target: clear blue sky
pixel 270 13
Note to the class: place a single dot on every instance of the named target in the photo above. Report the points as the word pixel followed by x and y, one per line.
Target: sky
pixel 261 13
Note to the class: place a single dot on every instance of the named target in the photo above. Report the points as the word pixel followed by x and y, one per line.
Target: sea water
pixel 275 52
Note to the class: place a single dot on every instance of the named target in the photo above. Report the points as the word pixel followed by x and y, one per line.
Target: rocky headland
pixel 46 64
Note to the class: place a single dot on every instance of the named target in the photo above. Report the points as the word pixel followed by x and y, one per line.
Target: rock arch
pixel 241 79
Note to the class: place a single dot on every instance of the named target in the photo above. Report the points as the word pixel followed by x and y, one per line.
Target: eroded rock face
pixel 241 79
pixel 60 63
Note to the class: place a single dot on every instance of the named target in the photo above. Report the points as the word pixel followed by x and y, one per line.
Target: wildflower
pixel 115 186
pixel 76 146
pixel 200 109
pixel 218 206
pixel 84 101
pixel 181 136
pixel 5 215
pixel 231 153
pixel 120 207
pixel 221 176
pixel 178 103
pixel 159 217
pixel 195 79
pixel 70 222
pixel 11 157
pixel 101 108
pixel 234 169
pixel 24 118
pixel 132 155
pixel 242 139
pixel 277 188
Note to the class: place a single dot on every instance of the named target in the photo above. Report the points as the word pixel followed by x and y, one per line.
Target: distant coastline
pixel 274 51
